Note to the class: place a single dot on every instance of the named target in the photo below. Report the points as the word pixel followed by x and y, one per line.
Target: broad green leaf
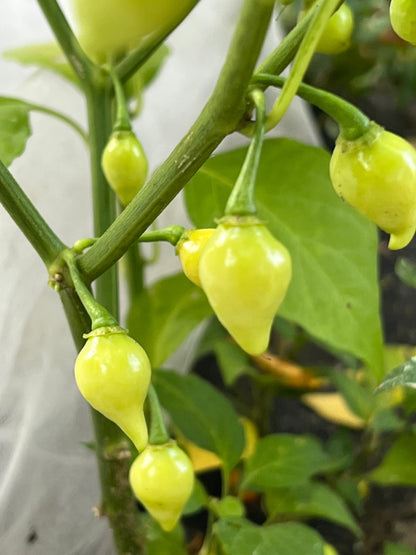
pixel 14 128
pixel 197 501
pixel 397 549
pixel 46 55
pixel 403 375
pixel 283 460
pixel 160 542
pixel 233 362
pixel 334 291
pixel 238 536
pixel 311 500
pixel 358 397
pixel 162 316
pixel 399 464
pixel 202 414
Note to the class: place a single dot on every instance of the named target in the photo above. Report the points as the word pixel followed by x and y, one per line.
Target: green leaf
pixel 47 55
pixel 233 362
pixel 283 460
pixel 403 375
pixel 311 500
pixel 334 292
pixel 238 536
pixel 14 128
pixel 358 397
pixel 202 415
pixel 399 464
pixel 160 542
pixel 162 316
pixel 406 271
pixel 397 549
pixel 197 501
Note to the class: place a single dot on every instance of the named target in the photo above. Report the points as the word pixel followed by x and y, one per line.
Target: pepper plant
pixel 283 256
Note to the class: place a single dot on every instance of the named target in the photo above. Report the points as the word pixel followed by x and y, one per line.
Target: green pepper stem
pixel 122 122
pixel 157 434
pixel 352 122
pixel 241 201
pixel 100 317
pixel 171 234
pixel 301 61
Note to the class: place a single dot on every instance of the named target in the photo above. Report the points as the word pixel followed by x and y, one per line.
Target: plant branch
pixel 221 116
pixel 81 64
pixel 25 215
pixel 136 58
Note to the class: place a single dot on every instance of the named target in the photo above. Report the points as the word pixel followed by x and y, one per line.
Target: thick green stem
pixel 352 122
pixel 113 449
pixel 136 58
pixel 221 116
pixel 241 201
pixel 25 215
pixel 280 58
pixel 81 64
pixel 301 62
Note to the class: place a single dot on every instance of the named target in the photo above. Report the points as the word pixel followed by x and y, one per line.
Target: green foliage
pixel 283 460
pixel 15 128
pixel 332 247
pixel 160 542
pixel 240 536
pixel 46 55
pixel 311 500
pixel 399 464
pixel 403 375
pixel 202 415
pixel 173 307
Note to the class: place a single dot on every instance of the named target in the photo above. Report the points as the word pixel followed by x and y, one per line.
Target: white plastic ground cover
pixel 48 478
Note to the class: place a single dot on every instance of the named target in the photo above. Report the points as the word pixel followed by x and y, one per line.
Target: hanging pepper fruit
pixel 124 165
pixel 336 37
pixel 113 373
pixel 162 479
pixel 189 249
pixel 110 28
pixel 376 173
pixel 245 273
pixel 403 19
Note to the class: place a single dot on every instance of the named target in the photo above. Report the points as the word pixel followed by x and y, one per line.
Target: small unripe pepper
pixel 162 479
pixel 113 373
pixel 376 174
pixel 403 19
pixel 124 165
pixel 245 273
pixel 189 249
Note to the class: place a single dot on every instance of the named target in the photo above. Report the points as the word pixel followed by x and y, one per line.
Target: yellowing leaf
pixel 333 407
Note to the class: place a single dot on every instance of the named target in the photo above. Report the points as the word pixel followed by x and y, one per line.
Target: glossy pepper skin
pixel 113 373
pixel 162 479
pixel 189 249
pixel 336 36
pixel 110 28
pixel 403 19
pixel 124 164
pixel 377 175
pixel 245 273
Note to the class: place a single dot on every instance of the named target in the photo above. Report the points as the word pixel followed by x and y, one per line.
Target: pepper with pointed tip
pixel 113 373
pixel 162 479
pixel 245 273
pixel 376 174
